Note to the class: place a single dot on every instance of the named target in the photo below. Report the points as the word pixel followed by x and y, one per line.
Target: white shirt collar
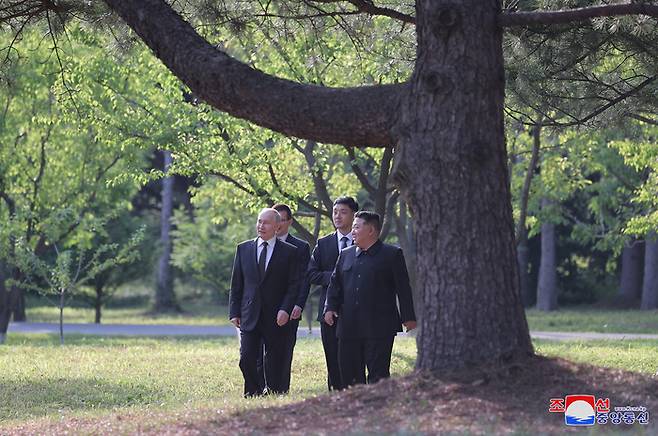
pixel 283 237
pixel 340 235
pixel 270 242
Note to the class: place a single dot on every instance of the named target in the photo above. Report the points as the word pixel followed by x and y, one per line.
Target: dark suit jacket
pixel 252 295
pixel 321 265
pixel 363 290
pixel 303 255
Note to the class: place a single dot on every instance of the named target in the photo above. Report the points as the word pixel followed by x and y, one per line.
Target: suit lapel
pixel 253 257
pixel 333 247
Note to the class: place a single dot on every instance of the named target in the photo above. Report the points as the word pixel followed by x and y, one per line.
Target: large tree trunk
pixel 451 164
pixel 165 299
pixel 632 265
pixel 650 286
pixel 547 281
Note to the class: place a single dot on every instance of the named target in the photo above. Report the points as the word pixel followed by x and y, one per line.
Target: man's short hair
pixel 347 201
pixel 371 218
pixel 277 217
pixel 280 207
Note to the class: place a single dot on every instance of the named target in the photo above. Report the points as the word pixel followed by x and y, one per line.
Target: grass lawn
pixel 590 319
pixel 42 383
pixel 194 313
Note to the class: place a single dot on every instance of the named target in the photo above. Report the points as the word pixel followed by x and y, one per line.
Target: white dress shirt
pixel 270 250
pixel 339 236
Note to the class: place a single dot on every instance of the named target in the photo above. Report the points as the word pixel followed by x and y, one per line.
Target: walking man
pixel 368 281
pixel 321 265
pixel 264 285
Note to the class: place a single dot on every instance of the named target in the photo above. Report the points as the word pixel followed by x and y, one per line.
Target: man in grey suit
pixel 264 286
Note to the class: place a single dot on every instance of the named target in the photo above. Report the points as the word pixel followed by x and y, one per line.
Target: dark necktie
pixel 261 259
pixel 343 242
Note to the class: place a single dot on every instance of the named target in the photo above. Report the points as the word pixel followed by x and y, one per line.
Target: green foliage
pixel 204 247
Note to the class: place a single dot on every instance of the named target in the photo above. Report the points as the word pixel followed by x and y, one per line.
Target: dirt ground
pixel 511 399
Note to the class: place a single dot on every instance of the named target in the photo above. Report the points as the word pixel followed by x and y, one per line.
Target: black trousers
pixel 289 347
pixel 270 338
pixel 355 355
pixel 330 345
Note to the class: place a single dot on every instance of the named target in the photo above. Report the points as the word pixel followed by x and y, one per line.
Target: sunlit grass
pixel 637 355
pixel 584 319
pixel 93 376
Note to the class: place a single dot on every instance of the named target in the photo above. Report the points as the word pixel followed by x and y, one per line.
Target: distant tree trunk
pixel 404 232
pixel 632 265
pixel 98 302
pixel 521 228
pixel 165 299
pixel 5 312
pixel 17 298
pixel 650 286
pixel 524 273
pixel 547 281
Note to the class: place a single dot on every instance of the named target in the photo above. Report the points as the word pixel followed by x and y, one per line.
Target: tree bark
pixel 650 285
pixel 547 281
pixel 451 165
pixel 165 299
pixel 632 265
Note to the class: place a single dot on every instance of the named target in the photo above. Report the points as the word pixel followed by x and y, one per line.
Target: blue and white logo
pixel 580 412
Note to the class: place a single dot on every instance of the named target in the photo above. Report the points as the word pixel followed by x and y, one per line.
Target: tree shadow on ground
pixel 41 397
pixel 508 399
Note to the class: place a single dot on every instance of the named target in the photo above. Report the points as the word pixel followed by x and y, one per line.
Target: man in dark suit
pixel 264 286
pixel 363 289
pixel 303 256
pixel 321 265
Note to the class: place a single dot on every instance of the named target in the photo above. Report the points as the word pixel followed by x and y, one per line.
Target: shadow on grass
pixel 21 398
pixel 509 399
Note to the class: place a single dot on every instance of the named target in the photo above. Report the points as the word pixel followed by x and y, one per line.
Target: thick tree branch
pixel 642 118
pixel 361 116
pixel 369 7
pixel 530 18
